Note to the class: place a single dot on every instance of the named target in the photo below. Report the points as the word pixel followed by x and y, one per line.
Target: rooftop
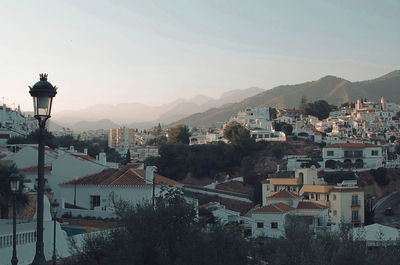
pixel 126 176
pixel 350 145
pixel 279 208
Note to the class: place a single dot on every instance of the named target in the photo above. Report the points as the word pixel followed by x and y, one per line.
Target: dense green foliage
pixel 170 234
pixel 167 234
pixel 178 134
pixel 6 196
pixel 319 108
pixel 380 176
pixel 301 246
pixel 177 160
pixel 283 126
pixel 239 137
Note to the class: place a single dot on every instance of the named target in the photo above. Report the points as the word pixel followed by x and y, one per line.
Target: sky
pixel 153 52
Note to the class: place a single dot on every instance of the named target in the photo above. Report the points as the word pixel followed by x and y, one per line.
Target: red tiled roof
pixel 310 206
pixel 127 176
pixel 4 136
pixel 83 156
pixel 344 145
pixel 35 169
pixel 283 194
pixel 46 149
pixel 275 208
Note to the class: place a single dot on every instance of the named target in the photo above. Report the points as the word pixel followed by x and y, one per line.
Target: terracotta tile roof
pixel 285 181
pixel 83 156
pixel 284 194
pixel 127 176
pixel 46 149
pixel 347 145
pixel 275 208
pixel 4 136
pixel 35 169
pixel 310 206
pixel 317 188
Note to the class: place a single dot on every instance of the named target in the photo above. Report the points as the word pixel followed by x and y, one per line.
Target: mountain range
pixel 142 116
pixel 333 89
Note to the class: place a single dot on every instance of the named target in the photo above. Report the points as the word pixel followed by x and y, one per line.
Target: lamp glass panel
pixel 14 185
pixel 42 106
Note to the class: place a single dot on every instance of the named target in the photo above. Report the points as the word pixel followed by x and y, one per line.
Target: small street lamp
pixel 42 93
pixel 75 179
pixel 54 208
pixel 15 180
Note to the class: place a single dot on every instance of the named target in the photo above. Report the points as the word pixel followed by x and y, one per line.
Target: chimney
pixel 71 148
pixel 103 158
pixel 85 151
pixel 149 174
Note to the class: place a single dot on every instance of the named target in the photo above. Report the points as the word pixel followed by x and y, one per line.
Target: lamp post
pixel 75 193
pixel 15 180
pixel 54 208
pixel 42 93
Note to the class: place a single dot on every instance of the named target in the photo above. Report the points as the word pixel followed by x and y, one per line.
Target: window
pixel 274 225
pixel 267 187
pixel 312 195
pixel 260 225
pixel 354 216
pixel 334 197
pixel 94 201
pixel 329 153
pixel 334 212
pixel 374 152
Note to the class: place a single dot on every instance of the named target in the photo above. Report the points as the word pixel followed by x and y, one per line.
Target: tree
pixel 179 134
pixel 287 129
pixel 303 103
pixel 277 151
pixel 6 195
pixel 272 113
pixel 166 234
pixel 157 130
pixel 239 137
pixel 319 109
pixel 127 157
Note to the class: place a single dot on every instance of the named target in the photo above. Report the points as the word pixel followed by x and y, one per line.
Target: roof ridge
pixel 117 177
pixel 276 207
pixel 136 173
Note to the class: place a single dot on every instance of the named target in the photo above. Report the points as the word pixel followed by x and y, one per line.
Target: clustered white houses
pixel 12 123
pixel 259 123
pixel 321 204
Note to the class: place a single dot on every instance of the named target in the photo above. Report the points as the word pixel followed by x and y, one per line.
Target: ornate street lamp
pixel 15 180
pixel 54 208
pixel 43 93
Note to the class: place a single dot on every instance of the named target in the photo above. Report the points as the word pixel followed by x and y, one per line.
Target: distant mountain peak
pixel 393 74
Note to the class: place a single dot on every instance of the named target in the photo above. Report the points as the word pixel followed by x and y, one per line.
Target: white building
pixel 352 155
pixel 99 191
pixel 12 123
pixel 258 121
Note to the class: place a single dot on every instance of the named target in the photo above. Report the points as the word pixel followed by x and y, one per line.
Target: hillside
pixel 333 89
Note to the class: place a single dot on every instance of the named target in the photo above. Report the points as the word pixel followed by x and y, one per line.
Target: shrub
pixel 380 176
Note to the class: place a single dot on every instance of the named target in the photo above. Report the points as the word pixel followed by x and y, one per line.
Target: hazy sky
pixel 156 51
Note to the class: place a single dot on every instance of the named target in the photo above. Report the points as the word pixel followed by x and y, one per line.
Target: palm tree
pixel 6 195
